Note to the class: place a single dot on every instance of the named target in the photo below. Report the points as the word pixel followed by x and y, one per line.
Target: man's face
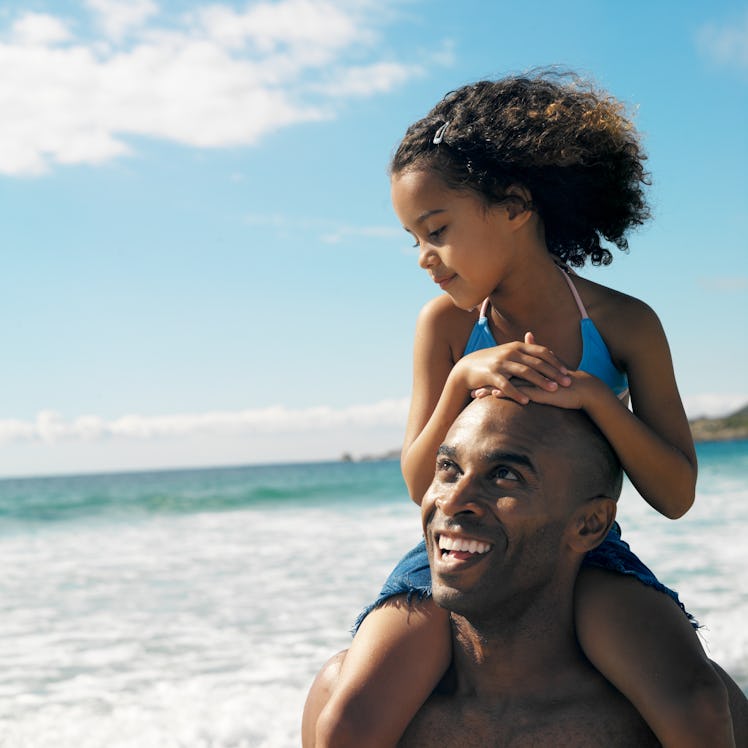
pixel 495 513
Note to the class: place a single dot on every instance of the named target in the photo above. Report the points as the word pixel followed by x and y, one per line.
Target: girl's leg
pixel 319 694
pixel 641 641
pixel 395 661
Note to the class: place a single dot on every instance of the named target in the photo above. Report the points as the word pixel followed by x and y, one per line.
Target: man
pixel 520 494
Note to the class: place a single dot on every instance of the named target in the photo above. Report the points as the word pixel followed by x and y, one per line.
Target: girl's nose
pixel 427 258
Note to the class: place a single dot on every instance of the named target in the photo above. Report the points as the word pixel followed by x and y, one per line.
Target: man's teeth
pixel 463 544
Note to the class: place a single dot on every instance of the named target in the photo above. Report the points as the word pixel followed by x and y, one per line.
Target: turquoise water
pixel 125 495
pixel 193 607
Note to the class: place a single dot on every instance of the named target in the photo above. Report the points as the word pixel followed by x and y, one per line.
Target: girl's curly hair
pixel 571 145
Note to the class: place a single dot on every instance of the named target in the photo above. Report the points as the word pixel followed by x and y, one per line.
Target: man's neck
pixel 519 652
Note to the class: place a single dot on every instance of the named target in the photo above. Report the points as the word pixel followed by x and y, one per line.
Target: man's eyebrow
pixel 511 458
pixel 446 451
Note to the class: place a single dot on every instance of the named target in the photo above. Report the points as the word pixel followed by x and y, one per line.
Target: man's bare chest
pixel 514 724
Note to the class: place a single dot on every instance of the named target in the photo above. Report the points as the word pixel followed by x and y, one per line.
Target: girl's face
pixel 465 246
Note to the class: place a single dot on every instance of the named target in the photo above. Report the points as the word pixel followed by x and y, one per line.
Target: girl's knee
pixel 696 711
pixel 338 727
pixel 705 694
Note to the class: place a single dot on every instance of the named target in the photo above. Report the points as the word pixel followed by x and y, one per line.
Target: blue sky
pixel 200 261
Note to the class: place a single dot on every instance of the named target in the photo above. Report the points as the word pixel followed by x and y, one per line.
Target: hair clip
pixel 439 134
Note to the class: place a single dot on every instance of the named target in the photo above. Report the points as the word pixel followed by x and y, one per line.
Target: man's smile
pixel 459 548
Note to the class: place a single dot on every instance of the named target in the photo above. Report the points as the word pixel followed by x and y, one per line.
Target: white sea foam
pixel 703 556
pixel 199 630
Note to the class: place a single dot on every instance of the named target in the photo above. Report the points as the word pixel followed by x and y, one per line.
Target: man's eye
pixel 504 473
pixel 445 466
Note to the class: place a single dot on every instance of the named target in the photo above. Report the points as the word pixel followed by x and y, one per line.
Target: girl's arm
pixel 653 443
pixel 443 380
pixel 434 403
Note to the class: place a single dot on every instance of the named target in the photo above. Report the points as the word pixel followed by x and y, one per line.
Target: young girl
pixel 504 185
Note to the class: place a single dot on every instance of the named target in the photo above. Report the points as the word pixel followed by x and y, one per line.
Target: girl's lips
pixel 444 280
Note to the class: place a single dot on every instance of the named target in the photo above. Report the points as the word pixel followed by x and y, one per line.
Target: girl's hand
pixel 490 371
pixel 583 390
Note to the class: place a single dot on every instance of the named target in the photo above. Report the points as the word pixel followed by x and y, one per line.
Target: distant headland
pixel 727 428
pixel 392 454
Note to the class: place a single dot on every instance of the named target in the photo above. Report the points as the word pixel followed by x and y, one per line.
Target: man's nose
pixel 457 498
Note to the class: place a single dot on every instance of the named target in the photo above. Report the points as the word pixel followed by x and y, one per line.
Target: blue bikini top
pixel 596 358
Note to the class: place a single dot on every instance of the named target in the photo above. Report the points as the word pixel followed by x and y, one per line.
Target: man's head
pixel 520 494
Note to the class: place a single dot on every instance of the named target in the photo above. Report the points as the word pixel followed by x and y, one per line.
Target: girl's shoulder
pixel 440 320
pixel 627 324
pixel 607 303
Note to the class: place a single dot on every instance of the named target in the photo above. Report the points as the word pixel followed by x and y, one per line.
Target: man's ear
pixel 590 523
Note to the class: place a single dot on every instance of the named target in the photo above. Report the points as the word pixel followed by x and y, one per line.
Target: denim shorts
pixel 412 576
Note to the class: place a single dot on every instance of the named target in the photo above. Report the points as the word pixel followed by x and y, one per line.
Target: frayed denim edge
pixel 420 592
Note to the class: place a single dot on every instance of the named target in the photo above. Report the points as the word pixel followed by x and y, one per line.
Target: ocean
pixel 192 608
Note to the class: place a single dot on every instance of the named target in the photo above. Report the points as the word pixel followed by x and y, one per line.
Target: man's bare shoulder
pixel 594 715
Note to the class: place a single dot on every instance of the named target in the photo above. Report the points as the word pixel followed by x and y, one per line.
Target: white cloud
pixel 50 427
pixel 51 444
pixel 713 405
pixel 39 29
pixel 343 233
pixel 118 17
pixel 313 27
pixel 17 431
pixel 725 284
pixel 369 79
pixel 726 44
pixel 328 233
pixel 212 78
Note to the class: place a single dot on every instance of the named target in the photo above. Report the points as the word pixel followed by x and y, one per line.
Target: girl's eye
pixel 433 236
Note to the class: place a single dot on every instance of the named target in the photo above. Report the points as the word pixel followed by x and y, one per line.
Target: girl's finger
pixel 540 351
pixel 480 392
pixel 550 371
pixel 531 371
pixel 509 391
